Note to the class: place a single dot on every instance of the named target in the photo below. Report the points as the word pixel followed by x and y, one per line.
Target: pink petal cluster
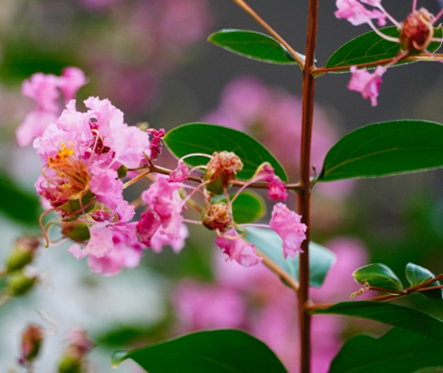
pixel 44 90
pixel 81 153
pixel 289 227
pixel 237 249
pixel 356 13
pixel 162 223
pixel 368 84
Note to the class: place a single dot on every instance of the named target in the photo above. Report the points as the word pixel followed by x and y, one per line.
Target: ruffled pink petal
pixel 180 174
pixel 238 250
pixel 34 126
pixel 368 84
pixel 289 227
pixel 357 14
pixel 71 81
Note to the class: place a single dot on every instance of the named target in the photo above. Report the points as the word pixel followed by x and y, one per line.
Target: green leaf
pixel 399 351
pixel 378 275
pixel 217 351
pixel 384 149
pixel 391 314
pixel 253 45
pixel 17 203
pixel 209 138
pixel 247 207
pixel 270 244
pixel 370 47
pixel 416 275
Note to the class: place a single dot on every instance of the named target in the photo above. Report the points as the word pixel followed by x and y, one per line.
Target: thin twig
pixel 269 29
pixel 279 271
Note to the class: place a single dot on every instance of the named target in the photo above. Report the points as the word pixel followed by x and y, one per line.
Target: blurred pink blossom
pixel 267 309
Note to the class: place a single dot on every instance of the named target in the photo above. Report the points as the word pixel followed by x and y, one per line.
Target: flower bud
pixel 32 339
pixel 221 171
pixel 417 31
pixel 74 208
pixel 77 231
pixel 22 254
pixel 72 360
pixel 70 364
pixel 218 216
pixel 19 283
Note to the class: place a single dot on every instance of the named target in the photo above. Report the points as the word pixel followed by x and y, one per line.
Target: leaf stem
pixel 279 271
pixel 242 4
pixel 384 298
pixel 323 70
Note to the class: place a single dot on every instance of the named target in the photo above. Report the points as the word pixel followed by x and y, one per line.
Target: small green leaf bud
pixel 70 364
pixel 19 283
pixel 32 339
pixel 22 254
pixel 77 231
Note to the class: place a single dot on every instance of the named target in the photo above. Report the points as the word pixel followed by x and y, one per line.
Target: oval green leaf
pixel 370 47
pixel 247 207
pixel 399 351
pixel 217 351
pixel 378 275
pixel 416 275
pixel 271 245
pixel 16 203
pixel 254 45
pixel 209 138
pixel 384 149
pixel 390 314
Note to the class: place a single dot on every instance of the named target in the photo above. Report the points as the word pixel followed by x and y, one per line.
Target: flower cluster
pixel 86 157
pixel 416 33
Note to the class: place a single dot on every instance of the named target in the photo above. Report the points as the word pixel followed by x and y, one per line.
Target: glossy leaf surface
pixel 385 149
pixel 391 314
pixel 416 275
pixel 270 244
pixel 253 45
pixel 16 203
pixel 209 138
pixel 247 207
pixel 378 275
pixel 399 351
pixel 370 47
pixel 217 351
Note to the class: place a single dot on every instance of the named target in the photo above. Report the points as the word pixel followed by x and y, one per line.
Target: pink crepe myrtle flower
pixel 289 227
pixel 237 249
pixel 162 223
pixel 276 187
pixel 368 84
pixel 43 89
pixel 82 152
